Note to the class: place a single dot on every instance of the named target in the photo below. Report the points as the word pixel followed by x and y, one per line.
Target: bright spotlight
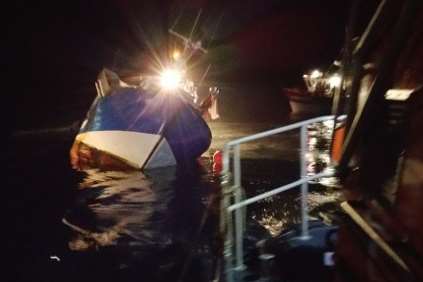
pixel 176 55
pixel 334 81
pixel 170 79
pixel 316 74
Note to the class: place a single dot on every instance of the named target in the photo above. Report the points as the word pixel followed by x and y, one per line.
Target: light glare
pixel 334 81
pixel 170 79
pixel 316 74
pixel 176 55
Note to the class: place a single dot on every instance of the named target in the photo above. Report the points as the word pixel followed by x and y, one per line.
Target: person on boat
pixel 208 107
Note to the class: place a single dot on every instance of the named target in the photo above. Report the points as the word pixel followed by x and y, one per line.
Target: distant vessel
pixel 317 99
pixel 302 103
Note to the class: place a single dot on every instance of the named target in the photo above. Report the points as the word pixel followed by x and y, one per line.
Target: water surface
pixel 159 225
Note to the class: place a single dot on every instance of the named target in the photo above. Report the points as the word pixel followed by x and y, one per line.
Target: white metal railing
pixel 233 199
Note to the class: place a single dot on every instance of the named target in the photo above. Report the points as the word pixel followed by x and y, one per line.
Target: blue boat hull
pixel 157 117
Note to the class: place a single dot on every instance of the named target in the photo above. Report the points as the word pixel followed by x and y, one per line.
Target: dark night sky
pixel 64 44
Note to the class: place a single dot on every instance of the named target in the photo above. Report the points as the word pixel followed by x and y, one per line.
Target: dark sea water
pixel 159 225
pixel 96 225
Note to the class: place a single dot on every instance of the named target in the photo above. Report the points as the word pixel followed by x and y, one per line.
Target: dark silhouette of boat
pixel 305 104
pixel 316 99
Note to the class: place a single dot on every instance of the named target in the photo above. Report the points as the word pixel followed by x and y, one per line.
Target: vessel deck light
pixel 170 79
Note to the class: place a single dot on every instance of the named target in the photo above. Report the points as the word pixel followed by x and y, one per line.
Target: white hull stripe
pixel 134 147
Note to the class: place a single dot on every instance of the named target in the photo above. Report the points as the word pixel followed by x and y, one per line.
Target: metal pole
pixel 239 216
pixel 225 216
pixel 304 186
pixel 278 130
pixel 340 97
pixel 225 203
pixel 227 252
pixel 237 166
pixel 226 224
pixel 226 159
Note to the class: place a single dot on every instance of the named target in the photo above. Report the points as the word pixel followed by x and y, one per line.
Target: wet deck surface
pixel 130 226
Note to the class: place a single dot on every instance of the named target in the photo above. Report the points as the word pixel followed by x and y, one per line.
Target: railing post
pixel 225 182
pixel 304 186
pixel 227 253
pixel 239 215
pixel 226 223
pixel 237 166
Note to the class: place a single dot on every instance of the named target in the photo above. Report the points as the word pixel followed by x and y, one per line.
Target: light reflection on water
pixel 167 214
pixel 121 206
pixel 281 211
pixel 318 156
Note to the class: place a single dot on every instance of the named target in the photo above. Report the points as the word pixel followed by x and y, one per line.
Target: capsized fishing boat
pixel 154 124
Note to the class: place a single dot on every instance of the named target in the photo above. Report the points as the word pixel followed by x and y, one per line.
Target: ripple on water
pixel 120 208
pixel 281 211
pixel 140 212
